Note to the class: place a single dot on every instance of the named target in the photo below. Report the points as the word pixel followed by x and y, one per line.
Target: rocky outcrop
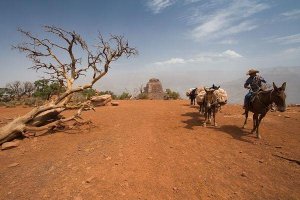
pixel 154 89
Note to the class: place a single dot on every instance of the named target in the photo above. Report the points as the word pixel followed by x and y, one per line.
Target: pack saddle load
pixel 220 93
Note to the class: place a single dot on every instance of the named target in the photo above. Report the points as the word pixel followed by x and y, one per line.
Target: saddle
pixel 253 96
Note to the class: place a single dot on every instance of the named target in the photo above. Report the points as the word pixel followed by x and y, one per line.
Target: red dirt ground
pixel 157 150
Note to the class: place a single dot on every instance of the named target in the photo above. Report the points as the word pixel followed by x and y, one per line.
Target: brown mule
pixel 262 103
pixel 210 106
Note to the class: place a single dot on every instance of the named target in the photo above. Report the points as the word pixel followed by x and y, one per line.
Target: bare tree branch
pixel 45 54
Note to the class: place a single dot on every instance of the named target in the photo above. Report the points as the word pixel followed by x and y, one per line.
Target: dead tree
pixel 15 89
pixel 45 54
pixel 28 88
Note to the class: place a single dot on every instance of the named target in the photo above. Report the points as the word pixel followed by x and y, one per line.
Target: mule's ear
pixel 283 86
pixel 218 88
pixel 274 86
pixel 205 89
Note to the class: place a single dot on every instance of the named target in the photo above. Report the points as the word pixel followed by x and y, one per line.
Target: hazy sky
pixel 184 43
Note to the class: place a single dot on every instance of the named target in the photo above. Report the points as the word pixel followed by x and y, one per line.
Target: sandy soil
pixel 157 150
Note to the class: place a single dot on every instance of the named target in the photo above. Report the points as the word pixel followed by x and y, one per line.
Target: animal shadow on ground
pixel 193 121
pixel 236 132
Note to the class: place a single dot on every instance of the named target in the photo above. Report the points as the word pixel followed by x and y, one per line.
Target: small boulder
pixel 13 165
pixel 244 174
pixel 114 103
pixel 9 145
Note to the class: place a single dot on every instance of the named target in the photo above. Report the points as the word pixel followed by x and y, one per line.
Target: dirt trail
pixel 157 150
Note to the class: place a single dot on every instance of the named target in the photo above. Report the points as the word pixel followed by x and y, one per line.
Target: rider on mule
pixel 253 83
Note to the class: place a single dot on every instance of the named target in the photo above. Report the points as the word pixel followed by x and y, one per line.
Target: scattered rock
pixel 278 147
pixel 9 145
pixel 51 168
pixel 114 103
pixel 125 184
pixel 89 179
pixel 261 161
pixel 267 144
pixel 13 165
pixel 287 116
pixel 244 174
pixel 241 152
pixel 108 158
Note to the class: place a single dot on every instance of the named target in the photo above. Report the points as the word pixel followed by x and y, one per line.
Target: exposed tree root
pixel 289 159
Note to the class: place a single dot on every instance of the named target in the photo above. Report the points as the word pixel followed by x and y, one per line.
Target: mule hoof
pixel 204 125
pixel 258 137
pixel 216 125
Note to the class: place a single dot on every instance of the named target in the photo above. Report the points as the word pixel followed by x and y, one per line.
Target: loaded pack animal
pixel 216 89
pixel 210 106
pixel 221 94
pixel 192 95
pixel 262 102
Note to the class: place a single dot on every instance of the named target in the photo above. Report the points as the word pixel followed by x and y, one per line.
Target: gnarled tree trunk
pixel 48 117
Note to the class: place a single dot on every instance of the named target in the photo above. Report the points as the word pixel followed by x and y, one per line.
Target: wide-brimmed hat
pixel 252 71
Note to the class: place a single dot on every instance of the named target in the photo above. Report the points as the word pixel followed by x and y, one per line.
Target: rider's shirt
pixel 254 82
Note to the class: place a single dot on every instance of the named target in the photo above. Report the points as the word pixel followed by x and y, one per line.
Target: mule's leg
pixel 255 119
pixel 209 116
pixel 214 116
pixel 201 109
pixel 246 117
pixel 259 120
pixel 205 118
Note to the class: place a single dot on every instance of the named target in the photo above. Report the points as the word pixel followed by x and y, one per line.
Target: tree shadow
pixel 236 132
pixel 193 121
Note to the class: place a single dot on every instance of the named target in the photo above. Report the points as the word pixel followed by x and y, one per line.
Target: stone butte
pixel 154 89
